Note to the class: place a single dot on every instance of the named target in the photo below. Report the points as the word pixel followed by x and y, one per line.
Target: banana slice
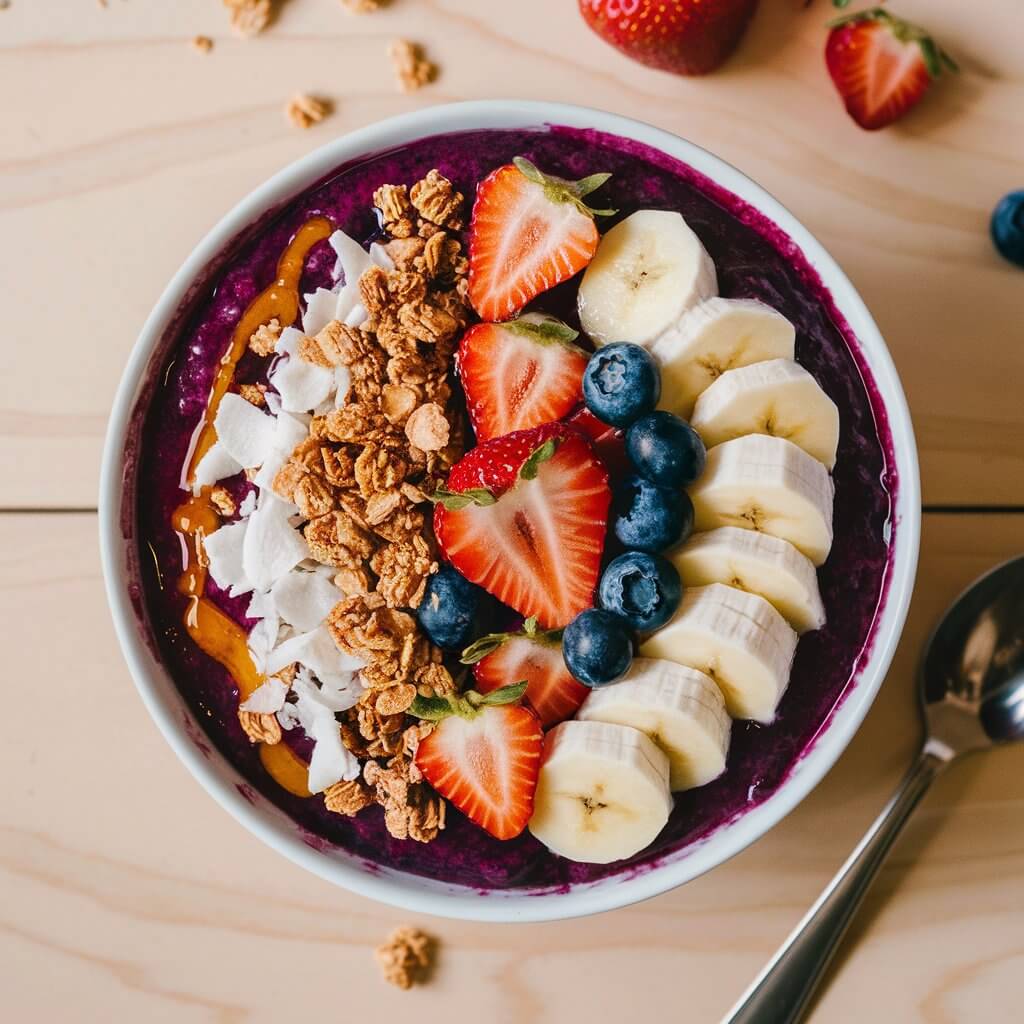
pixel 778 397
pixel 602 793
pixel 679 708
pixel 758 563
pixel 647 271
pixel 718 335
pixel 769 485
pixel 738 639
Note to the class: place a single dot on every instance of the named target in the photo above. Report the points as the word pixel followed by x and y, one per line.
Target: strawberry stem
pixel 479 649
pixel 562 190
pixel 456 500
pixel 468 705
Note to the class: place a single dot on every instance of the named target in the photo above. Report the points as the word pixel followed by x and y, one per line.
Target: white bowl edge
pixel 409 891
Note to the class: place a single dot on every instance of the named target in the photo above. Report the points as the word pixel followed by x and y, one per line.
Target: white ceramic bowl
pixel 410 891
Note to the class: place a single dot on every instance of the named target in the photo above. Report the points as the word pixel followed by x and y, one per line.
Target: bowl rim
pixel 408 891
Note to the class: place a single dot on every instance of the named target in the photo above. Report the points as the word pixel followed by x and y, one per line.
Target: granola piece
pixel 397 401
pixel 348 798
pixel 373 290
pixel 411 66
pixel 401 524
pixel 336 539
pixel 405 252
pixel 411 739
pixel 304 110
pixel 287 479
pixel 379 469
pixel 260 728
pixel 437 201
pixel 411 810
pixel 337 466
pixel 396 210
pixel 313 496
pixel 249 17
pixel 362 6
pixel 395 700
pixel 254 394
pixel 363 626
pixel 382 506
pixel 309 351
pixel 201 44
pixel 341 344
pixel 427 428
pixel 434 680
pixel 405 957
pixel 356 423
pixel 382 732
pixel 407 369
pixel 264 338
pixel 413 494
pixel 426 322
pixel 403 568
pixel 352 581
pixel 222 501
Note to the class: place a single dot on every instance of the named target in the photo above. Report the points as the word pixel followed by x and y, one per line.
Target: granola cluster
pixel 361 479
pixel 249 17
pixel 406 956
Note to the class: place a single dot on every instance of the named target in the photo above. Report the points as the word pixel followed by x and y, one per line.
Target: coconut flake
pixel 291 431
pixel 341 691
pixel 266 699
pixel 248 505
pixel 380 256
pixel 320 307
pixel 262 638
pixel 304 599
pixel 246 432
pixel 317 650
pixel 272 546
pixel 330 762
pixel 261 606
pixel 216 464
pixel 301 385
pixel 224 548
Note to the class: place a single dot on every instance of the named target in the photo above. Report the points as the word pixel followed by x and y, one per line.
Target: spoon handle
pixel 782 991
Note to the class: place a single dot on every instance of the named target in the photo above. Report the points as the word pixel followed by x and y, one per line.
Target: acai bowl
pixel 243 317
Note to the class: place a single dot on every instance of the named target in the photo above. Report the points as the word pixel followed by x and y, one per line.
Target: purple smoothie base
pixel 754 258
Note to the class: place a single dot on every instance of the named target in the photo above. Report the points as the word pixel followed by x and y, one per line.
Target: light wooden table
pixel 125 894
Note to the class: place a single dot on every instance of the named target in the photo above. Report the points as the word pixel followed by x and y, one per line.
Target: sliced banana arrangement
pixel 779 398
pixel 769 485
pixel 713 337
pixel 647 272
pixel 603 792
pixel 758 563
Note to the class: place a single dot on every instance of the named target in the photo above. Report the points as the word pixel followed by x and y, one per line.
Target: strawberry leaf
pixel 561 190
pixel 431 709
pixel 504 695
pixel 485 645
pixel 532 464
pixel 456 500
pixel 548 331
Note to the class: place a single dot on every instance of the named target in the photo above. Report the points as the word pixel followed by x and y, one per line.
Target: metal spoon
pixel 972 695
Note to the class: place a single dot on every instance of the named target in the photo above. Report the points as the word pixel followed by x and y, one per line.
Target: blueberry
pixel 644 589
pixel 666 449
pixel 620 383
pixel 597 647
pixel 1007 227
pixel 453 609
pixel 648 517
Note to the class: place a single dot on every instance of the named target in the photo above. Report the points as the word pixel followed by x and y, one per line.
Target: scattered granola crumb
pixel 249 17
pixel 222 501
pixel 362 6
pixel 201 44
pixel 260 728
pixel 264 338
pixel 406 956
pixel 427 428
pixel 412 68
pixel 254 394
pixel 304 110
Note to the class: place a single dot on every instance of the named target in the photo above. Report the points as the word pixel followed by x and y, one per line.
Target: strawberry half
pixel 609 442
pixel 524 516
pixel 529 231
pixel 881 65
pixel 520 373
pixel 536 656
pixel 484 756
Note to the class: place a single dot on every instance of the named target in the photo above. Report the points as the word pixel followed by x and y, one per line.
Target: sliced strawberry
pixel 529 231
pixel 520 374
pixel 532 655
pixel 483 756
pixel 609 442
pixel 881 65
pixel 524 516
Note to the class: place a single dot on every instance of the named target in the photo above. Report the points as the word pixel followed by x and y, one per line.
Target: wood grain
pixel 126 894
pixel 126 147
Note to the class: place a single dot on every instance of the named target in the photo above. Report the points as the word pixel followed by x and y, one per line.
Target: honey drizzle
pixel 214 632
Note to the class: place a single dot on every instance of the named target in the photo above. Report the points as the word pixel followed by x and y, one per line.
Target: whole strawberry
pixel 689 37
pixel 881 65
